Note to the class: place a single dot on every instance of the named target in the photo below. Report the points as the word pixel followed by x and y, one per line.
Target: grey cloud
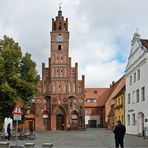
pixel 94 27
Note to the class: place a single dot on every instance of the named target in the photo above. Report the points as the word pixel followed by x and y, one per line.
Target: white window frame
pixel 128 119
pixel 134 119
pixel 137 96
pixel 134 77
pixel 143 94
pixel 138 74
pixel 130 80
pixel 129 98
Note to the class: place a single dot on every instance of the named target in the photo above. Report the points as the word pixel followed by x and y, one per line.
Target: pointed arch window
pixel 54 87
pixel 69 87
pixel 57 72
pixel 54 26
pixel 73 87
pixel 61 72
pixel 64 26
pixel 59 88
pixel 64 87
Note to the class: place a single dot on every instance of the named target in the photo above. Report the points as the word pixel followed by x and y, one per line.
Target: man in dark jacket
pixel 119 132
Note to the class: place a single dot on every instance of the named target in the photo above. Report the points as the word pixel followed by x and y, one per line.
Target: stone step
pixel 47 145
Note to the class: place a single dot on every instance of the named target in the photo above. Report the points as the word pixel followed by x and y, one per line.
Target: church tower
pixel 60 99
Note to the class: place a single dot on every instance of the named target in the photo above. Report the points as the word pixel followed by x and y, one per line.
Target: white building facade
pixel 136 102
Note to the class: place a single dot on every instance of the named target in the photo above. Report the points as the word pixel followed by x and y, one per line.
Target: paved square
pixel 91 138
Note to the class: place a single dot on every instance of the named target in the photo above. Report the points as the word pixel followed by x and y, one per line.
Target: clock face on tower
pixel 59 38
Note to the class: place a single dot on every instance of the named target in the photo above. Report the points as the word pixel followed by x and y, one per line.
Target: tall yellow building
pixel 119 104
pixel 109 104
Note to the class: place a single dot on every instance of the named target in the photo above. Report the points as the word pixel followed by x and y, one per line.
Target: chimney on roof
pixel 112 84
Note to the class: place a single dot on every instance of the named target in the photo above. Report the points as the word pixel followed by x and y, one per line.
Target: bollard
pixel 16 146
pixel 47 145
pixel 4 144
pixel 29 145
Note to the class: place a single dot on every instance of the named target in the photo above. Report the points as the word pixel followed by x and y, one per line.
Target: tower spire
pixel 60 12
pixel 60 5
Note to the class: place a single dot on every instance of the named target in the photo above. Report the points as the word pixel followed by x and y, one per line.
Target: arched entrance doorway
pixel 140 123
pixel 46 122
pixel 60 122
pixel 74 120
pixel 60 118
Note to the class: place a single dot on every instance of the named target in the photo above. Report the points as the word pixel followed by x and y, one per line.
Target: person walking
pixel 119 132
pixel 68 128
pixel 9 131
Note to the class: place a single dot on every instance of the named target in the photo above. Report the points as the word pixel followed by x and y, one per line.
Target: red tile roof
pixel 111 92
pixel 93 93
pixel 104 97
pixel 121 88
pixel 144 43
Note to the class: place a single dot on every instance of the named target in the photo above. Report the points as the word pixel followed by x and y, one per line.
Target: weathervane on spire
pixel 60 6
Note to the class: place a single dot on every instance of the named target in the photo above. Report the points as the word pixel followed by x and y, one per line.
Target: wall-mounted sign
pixel 45 116
pixel 74 116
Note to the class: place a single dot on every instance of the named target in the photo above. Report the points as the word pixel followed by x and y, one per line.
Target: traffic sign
pixel 17 117
pixel 17 110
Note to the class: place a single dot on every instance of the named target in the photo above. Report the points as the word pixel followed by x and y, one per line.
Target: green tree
pixel 18 77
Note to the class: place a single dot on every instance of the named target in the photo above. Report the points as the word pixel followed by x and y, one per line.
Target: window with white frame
pixel 142 93
pixel 134 77
pixel 134 119
pixel 129 99
pixel 130 80
pixel 137 95
pixel 122 100
pixel 133 97
pixel 138 74
pixel 128 119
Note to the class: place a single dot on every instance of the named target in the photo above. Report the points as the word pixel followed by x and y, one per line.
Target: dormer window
pixel 91 100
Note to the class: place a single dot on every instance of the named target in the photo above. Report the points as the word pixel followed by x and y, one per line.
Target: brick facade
pixel 60 98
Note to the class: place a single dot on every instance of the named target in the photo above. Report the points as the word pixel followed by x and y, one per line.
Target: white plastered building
pixel 136 102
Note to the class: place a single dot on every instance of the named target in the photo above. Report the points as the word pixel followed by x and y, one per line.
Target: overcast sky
pixel 100 32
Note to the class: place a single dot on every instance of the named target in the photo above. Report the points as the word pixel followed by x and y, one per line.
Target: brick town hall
pixel 60 99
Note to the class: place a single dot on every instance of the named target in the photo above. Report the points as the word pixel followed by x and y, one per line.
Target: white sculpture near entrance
pixel 6 122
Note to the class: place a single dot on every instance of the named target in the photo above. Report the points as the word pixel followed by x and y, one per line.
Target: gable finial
pixel 137 29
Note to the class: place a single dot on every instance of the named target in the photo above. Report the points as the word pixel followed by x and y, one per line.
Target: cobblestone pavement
pixel 91 138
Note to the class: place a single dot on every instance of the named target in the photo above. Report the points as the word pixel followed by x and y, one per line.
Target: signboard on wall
pixel 74 116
